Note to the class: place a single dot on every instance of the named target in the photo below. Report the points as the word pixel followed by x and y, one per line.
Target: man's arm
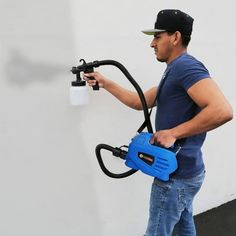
pixel 127 97
pixel 215 111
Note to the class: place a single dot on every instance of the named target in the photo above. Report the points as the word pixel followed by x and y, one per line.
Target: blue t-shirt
pixel 175 106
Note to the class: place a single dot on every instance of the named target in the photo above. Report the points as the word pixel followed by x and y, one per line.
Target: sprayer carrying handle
pixel 174 148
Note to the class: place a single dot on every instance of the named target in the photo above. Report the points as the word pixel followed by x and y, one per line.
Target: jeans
pixel 171 206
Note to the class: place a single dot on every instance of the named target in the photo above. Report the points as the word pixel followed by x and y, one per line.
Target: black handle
pixel 90 70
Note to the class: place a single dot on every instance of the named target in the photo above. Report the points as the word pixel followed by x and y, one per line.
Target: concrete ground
pixel 220 221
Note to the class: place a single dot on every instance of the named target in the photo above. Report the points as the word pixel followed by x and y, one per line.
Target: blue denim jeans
pixel 171 206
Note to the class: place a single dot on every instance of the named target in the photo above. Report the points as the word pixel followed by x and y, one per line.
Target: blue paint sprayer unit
pixel 152 160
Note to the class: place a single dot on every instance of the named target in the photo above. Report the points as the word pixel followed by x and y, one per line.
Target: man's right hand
pixel 98 78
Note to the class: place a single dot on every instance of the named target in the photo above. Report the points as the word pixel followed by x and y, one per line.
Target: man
pixel 189 104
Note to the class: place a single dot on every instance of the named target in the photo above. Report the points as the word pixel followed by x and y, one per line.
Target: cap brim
pixel 152 31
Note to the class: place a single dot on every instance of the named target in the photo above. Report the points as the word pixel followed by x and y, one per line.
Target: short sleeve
pixel 190 72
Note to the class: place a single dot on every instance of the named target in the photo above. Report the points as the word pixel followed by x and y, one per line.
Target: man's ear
pixel 177 38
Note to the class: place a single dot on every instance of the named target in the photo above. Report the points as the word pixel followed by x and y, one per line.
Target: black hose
pixel 116 152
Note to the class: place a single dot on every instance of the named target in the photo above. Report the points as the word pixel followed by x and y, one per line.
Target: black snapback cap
pixel 172 20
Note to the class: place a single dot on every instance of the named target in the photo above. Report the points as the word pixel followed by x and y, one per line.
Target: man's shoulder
pixel 186 62
pixel 187 70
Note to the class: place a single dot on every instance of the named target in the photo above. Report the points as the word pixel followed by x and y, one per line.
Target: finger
pixel 92 74
pixel 152 140
pixel 91 82
pixel 85 77
pixel 170 145
pixel 88 78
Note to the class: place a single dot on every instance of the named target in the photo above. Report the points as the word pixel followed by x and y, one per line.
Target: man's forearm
pixel 127 97
pixel 130 98
pixel 208 119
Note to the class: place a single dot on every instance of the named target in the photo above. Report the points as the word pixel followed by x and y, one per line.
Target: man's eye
pixel 157 37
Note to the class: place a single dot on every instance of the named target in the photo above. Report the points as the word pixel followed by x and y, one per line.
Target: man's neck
pixel 176 54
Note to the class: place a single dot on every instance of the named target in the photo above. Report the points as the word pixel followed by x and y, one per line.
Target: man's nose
pixel 152 44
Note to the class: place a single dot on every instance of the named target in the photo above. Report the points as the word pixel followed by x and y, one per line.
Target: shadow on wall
pixel 50 189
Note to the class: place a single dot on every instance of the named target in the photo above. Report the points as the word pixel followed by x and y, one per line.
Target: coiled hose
pixel 116 152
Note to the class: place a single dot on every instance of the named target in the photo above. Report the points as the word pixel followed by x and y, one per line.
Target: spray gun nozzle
pixel 84 67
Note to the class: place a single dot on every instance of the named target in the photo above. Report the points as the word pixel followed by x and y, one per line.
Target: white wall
pixel 50 181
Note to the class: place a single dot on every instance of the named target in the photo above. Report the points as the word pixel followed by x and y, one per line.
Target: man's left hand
pixel 164 137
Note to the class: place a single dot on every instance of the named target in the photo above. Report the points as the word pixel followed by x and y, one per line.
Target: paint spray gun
pixel 78 89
